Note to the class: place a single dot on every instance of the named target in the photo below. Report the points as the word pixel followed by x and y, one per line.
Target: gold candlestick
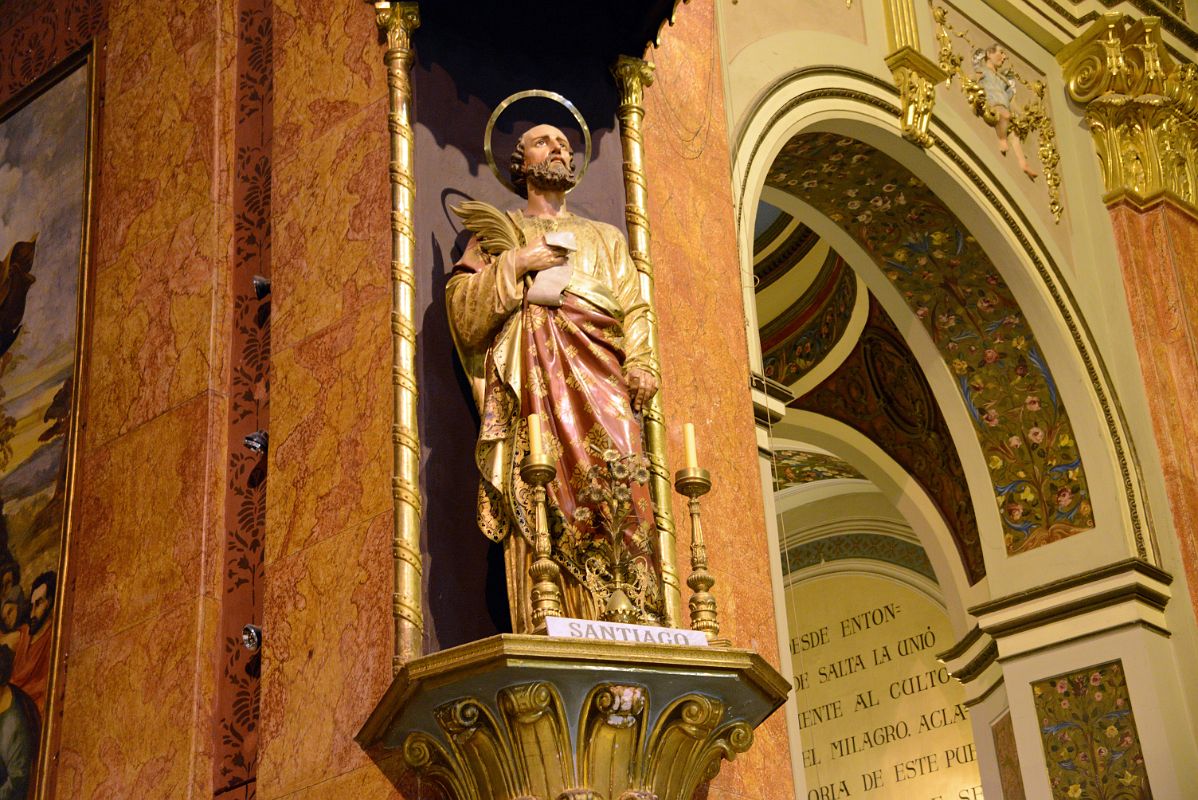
pixel 537 471
pixel 694 482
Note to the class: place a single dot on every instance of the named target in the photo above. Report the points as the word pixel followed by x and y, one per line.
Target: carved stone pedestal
pixel 538 718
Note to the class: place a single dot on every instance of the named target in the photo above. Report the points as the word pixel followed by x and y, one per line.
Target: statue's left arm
pixel 642 377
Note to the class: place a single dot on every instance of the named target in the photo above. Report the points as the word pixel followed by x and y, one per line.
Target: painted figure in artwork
pixel 20 727
pixel 999 86
pixel 31 664
pixel 547 316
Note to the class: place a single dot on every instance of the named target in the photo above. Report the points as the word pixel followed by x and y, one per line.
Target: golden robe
pixel 566 363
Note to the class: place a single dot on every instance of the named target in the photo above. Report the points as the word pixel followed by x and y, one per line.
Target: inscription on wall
pixel 879 716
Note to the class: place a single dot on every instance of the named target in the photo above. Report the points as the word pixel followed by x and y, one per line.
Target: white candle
pixel 534 435
pixel 688 437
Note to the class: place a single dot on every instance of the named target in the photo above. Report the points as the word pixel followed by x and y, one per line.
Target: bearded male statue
pixel 547 316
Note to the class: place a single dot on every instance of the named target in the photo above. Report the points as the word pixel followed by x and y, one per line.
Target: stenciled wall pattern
pixel 955 290
pixel 1089 735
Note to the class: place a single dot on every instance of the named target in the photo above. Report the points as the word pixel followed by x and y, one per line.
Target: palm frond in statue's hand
pixel 496 231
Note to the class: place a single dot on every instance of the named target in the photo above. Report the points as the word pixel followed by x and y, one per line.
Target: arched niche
pixel 861 111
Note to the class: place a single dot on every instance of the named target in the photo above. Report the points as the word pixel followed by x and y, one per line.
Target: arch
pixel 855 106
pixel 805 429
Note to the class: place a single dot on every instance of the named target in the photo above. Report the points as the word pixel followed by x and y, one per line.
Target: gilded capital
pixel 1141 106
pixel 916 77
pixel 632 76
pixel 397 20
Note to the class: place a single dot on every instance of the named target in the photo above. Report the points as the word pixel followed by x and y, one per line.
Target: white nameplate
pixel 622 632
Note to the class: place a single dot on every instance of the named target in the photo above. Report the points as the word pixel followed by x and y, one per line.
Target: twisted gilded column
pixel 397 21
pixel 632 76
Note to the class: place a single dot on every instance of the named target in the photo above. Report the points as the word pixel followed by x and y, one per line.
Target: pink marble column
pixel 1157 245
pixel 705 362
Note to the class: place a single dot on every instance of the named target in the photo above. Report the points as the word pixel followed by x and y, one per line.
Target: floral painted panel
pixel 796 467
pixel 1089 734
pixel 808 330
pixel 957 293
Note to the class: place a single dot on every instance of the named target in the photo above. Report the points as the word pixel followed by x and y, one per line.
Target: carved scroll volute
pixel 1115 56
pixel 481 748
pixel 915 75
pixel 612 731
pixel 425 755
pixel 540 738
pixel 685 749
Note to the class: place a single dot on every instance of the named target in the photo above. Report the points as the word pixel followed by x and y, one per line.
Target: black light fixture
pixel 261 286
pixel 257 441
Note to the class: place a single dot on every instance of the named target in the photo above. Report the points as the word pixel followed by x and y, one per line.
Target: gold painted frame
pixel 86 59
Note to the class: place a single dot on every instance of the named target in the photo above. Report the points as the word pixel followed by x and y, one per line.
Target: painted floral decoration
pixel 958 295
pixel 1089 735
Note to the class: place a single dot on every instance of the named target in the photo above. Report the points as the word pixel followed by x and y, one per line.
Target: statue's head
pixel 543 158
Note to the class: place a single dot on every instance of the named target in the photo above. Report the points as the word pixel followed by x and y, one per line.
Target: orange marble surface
pixel 137 721
pixel 159 327
pixel 158 166
pixel 328 529
pixel 327 68
pixel 1156 249
pixel 698 299
pixel 330 432
pixel 132 558
pixel 329 659
pixel 140 683
pixel 332 243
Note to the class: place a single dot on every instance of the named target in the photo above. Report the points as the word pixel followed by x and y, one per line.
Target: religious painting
pixel 43 199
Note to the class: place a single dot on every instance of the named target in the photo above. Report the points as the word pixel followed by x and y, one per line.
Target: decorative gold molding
pixel 538 718
pixel 915 75
pixel 1032 117
pixel 1141 106
pixel 632 76
pixel 398 21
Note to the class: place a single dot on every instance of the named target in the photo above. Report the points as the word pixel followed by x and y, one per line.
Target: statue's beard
pixel 550 176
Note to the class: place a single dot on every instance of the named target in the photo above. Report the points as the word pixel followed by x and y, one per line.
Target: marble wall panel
pixel 330 438
pixel 163 217
pixel 331 241
pixel 136 702
pixel 1156 248
pixel 329 657
pixel 327 68
pixel 705 367
pixel 376 781
pixel 1010 776
pixel 142 520
pixel 158 166
pixel 154 314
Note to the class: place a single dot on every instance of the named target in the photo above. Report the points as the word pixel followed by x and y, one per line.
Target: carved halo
pixel 545 93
